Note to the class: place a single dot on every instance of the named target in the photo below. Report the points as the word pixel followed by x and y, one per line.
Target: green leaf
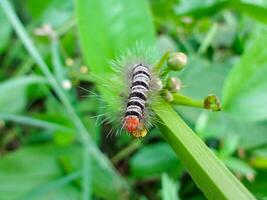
pixel 153 160
pixel 169 188
pixel 209 173
pixel 13 92
pixel 222 125
pixel 20 177
pixel 238 165
pixel 119 25
pixel 258 187
pixel 207 8
pixel 199 78
pixel 84 136
pixel 52 12
pixel 245 89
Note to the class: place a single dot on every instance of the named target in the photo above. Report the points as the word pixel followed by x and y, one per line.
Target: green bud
pixel 177 61
pixel 158 85
pixel 212 102
pixel 167 95
pixel 174 84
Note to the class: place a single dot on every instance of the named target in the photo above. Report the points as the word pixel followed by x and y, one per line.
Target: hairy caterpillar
pixel 135 109
pixel 142 89
pixel 132 89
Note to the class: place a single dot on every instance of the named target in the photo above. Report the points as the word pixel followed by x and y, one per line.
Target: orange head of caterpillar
pixel 135 127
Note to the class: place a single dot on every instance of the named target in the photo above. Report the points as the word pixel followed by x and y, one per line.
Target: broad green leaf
pixel 209 173
pixel 13 92
pixel 169 189
pixel 119 25
pixel 245 88
pixel 154 159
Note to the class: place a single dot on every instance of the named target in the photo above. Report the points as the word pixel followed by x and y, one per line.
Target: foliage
pixel 50 143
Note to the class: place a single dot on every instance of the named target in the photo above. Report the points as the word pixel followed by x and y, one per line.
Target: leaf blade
pixel 213 178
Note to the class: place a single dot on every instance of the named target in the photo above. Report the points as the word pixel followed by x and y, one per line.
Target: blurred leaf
pixel 222 125
pixel 52 12
pixel 23 178
pixel 13 93
pixel 239 166
pixel 163 9
pixel 200 78
pixel 230 144
pixel 64 138
pixel 259 158
pixel 23 171
pixel 153 160
pixel 5 32
pixel 210 7
pixel 245 88
pixel 119 26
pixel 209 173
pixel 258 187
pixel 196 7
pixel 257 12
pixel 169 188
pixel 33 122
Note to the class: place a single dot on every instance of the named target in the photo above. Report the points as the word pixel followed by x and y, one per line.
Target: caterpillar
pixel 137 101
pixel 131 90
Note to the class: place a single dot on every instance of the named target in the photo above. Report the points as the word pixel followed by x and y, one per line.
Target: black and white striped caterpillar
pixel 132 89
pixel 135 109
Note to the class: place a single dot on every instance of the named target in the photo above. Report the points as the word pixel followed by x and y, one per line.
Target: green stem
pixel 159 65
pixel 179 99
pixel 126 151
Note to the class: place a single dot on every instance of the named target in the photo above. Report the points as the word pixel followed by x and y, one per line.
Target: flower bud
pixel 174 84
pixel 177 61
pixel 212 102
pixel 167 95
pixel 158 85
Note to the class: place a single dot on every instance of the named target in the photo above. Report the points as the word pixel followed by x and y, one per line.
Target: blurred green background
pixel 40 154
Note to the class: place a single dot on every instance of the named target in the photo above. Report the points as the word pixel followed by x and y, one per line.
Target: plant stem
pixel 159 65
pixel 186 101
pixel 126 151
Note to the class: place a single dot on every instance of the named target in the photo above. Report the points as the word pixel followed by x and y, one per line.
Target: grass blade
pixel 33 122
